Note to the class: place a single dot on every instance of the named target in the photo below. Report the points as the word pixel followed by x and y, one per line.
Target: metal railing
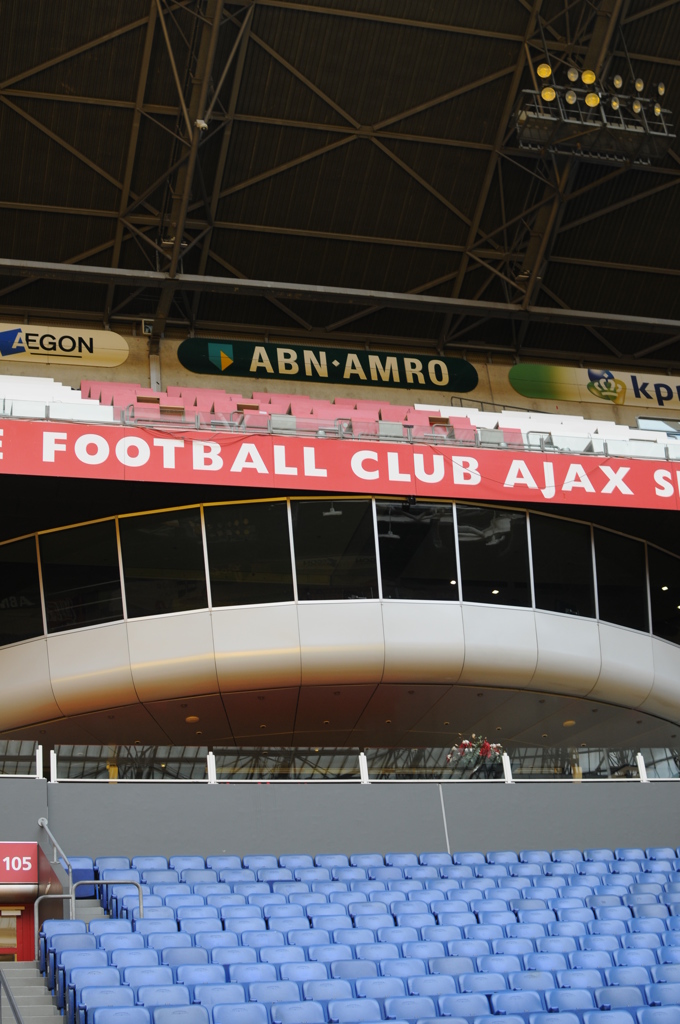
pixel 71 897
pixel 42 822
pixel 5 991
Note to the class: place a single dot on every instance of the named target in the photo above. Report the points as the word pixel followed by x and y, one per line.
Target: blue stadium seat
pixel 122 958
pixel 298 1013
pixel 616 997
pixel 351 970
pixel 282 955
pixel 113 863
pixel 190 955
pixel 353 1011
pixel 554 943
pixel 121 1015
pixel 366 860
pixel 518 1001
pixel 483 983
pixel 146 927
pixel 664 972
pixel 200 974
pixel 436 860
pixel 184 863
pixel 162 995
pixel 534 981
pixel 91 998
pixel 52 929
pixel 303 971
pixel 211 996
pixel 499 963
pixel 464 1005
pixel 411 1008
pixel 222 861
pixel 247 1013
pixel 248 974
pixel 432 986
pixel 212 940
pixel 374 951
pixel 127 940
pixel 554 1018
pixel 181 1015
pixel 104 926
pixel 268 992
pixel 590 959
pixel 59 944
pixel 135 977
pixel 579 979
pixel 86 977
pixel 638 958
pixel 167 940
pixel 239 955
pixel 68 960
pixel 149 863
pixel 404 969
pixel 452 965
pixel 658 1015
pixel 638 976
pixel 569 999
pixel 660 994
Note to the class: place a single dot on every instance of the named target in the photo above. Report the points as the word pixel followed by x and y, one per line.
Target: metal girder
pixel 493 158
pixel 132 149
pixel 155 280
pixel 194 116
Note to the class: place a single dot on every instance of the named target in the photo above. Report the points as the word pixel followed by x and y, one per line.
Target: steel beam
pixel 292 291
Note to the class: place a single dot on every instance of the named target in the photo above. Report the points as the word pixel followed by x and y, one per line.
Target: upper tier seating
pixel 583 937
pixel 264 412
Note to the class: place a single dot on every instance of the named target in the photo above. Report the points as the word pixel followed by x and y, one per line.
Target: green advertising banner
pixel 326 365
pixel 613 387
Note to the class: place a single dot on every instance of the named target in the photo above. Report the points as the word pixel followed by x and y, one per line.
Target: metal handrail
pixel 42 822
pixel 121 881
pixel 4 987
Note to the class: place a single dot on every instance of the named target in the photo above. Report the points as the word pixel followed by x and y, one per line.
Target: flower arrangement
pixel 476 751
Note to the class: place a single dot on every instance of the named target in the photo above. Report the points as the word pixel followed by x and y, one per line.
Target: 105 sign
pixel 18 863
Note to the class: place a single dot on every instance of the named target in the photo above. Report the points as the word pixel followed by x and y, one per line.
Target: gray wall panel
pixel 143 818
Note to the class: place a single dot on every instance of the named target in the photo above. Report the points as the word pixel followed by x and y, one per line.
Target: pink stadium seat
pixel 256 420
pixel 394 413
pixel 513 436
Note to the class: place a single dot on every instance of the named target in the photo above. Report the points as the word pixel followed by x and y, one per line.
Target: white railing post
pixel 642 768
pixel 363 769
pixel 53 766
pixel 507 768
pixel 38 762
pixel 212 769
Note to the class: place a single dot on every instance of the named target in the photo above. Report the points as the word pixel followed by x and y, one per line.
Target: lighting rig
pixel 572 112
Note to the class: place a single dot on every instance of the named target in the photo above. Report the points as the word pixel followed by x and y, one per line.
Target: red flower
pixel 485 749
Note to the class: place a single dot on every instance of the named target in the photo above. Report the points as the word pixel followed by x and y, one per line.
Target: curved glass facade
pixel 340 549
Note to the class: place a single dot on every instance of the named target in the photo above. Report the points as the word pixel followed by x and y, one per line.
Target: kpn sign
pixel 61 345
pixel 326 365
pixel 605 387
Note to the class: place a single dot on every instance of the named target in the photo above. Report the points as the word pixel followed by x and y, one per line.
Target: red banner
pixel 323 464
pixel 18 863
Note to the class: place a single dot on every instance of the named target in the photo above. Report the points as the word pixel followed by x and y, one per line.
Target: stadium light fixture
pixel 548 93
pixel 639 85
pixel 592 99
pixel 617 81
pixel 544 70
pixel 661 88
pixel 570 97
pixel 572 74
pixel 588 77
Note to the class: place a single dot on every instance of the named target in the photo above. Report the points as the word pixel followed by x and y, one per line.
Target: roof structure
pixel 348 169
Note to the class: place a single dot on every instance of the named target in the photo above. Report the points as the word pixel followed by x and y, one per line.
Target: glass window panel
pixel 563 566
pixel 20 609
pixel 334 550
pixel 249 553
pixel 417 551
pixel 664 585
pixel 494 555
pixel 621 580
pixel 81 576
pixel 163 562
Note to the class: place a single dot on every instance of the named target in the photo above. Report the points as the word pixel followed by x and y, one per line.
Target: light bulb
pixel 544 70
pixel 588 77
pixel 548 94
pixel 572 74
pixel 592 99
pixel 639 85
pixel 637 106
pixel 570 97
pixel 657 109
pixel 661 88
pixel 615 103
pixel 618 81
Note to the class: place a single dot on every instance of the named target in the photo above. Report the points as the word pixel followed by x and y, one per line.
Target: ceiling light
pixel 544 735
pixel 569 722
pixel 572 74
pixel 639 85
pixel 661 88
pixel 657 109
pixel 548 94
pixel 452 582
pixel 618 81
pixel 592 99
pixel 615 103
pixel 544 70
pixel 495 591
pixel 588 77
pixel 447 723
pixel 664 588
pixel 570 97
pixel 637 106
pixel 191 718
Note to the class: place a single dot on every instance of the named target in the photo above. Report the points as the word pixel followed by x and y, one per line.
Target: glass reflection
pixel 249 553
pixel 334 550
pixel 20 608
pixel 81 576
pixel 163 562
pixel 664 587
pixel 417 551
pixel 563 566
pixel 494 555
pixel 621 580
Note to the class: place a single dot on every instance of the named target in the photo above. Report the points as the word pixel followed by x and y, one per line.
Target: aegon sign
pixel 26 343
pixel 330 465
pixel 329 365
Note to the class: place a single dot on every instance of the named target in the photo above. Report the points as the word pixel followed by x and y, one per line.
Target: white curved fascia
pixel 237 649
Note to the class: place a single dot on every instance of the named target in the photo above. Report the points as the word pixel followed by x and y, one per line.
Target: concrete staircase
pixel 27 986
pixel 88 910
